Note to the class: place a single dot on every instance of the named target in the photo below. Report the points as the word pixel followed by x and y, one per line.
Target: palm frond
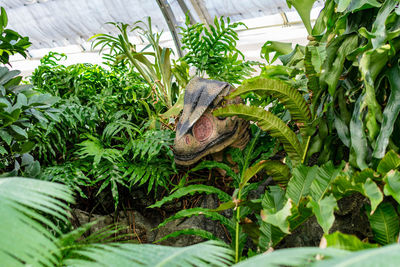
pixel 210 253
pixel 291 257
pixel 25 236
pixel 270 123
pixel 287 95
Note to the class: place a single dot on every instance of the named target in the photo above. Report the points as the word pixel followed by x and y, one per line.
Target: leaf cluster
pixel 213 51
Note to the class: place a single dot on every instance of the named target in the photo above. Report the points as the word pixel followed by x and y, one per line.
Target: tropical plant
pixel 317 70
pixel 30 237
pixel 20 108
pixel 213 51
pixel 104 119
pixel 158 75
pixel 349 76
pixel 11 42
pixel 351 68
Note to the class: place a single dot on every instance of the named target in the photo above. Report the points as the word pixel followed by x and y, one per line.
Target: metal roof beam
pixel 172 23
pixel 186 11
pixel 202 11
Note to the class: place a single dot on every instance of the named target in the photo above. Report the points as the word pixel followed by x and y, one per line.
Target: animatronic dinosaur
pixel 198 132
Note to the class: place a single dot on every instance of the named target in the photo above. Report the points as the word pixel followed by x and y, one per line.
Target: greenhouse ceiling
pixel 51 24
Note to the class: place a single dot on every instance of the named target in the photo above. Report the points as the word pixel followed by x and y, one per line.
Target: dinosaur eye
pixel 221 118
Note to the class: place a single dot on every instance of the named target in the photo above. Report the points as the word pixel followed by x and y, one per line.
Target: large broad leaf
pixel 278 218
pixel 267 122
pixel 292 257
pixel 332 67
pixel 392 186
pixel 371 64
pixel 190 190
pixel 390 161
pixel 286 94
pixel 210 253
pixel 303 7
pixel 356 5
pixel 373 193
pixel 346 242
pixel 299 184
pixel 379 32
pixel 390 113
pixel 25 206
pixel 279 48
pixel 360 182
pixel 384 223
pixel 359 145
pixel 323 210
pixel 323 180
pixel 384 256
pixel 279 171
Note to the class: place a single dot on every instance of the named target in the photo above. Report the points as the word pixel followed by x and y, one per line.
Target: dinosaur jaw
pixel 219 143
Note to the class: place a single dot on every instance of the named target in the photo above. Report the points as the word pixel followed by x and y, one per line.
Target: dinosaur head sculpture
pixel 198 132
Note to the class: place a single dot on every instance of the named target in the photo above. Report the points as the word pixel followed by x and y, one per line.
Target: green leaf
pixel 357 5
pixel 190 190
pixel 347 242
pixel 287 95
pixel 26 206
pixel 278 218
pixel 390 113
pixel 323 210
pixel 392 186
pixel 371 63
pixel 279 48
pixel 213 164
pixel 276 169
pixel 303 7
pixel 299 184
pixel 270 123
pixel 19 130
pixel 384 223
pixel 6 137
pixel 200 211
pixel 359 143
pixel 197 232
pixel 390 161
pixel 323 180
pixel 292 257
pixel 373 193
pixel 3 151
pixel 204 254
pixel 383 256
pixel 332 67
pixel 4 18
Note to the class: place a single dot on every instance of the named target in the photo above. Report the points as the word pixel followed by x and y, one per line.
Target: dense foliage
pixel 213 51
pixel 105 134
pixel 326 126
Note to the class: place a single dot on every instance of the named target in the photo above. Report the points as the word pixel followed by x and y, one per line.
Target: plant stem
pixel 245 166
pixel 306 149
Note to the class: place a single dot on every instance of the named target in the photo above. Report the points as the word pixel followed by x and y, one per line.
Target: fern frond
pixel 200 211
pixel 210 253
pixel 270 123
pixel 288 96
pixel 25 208
pixel 193 189
pixel 197 232
pixel 279 171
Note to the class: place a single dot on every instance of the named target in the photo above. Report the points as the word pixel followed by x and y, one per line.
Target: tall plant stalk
pixel 239 194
